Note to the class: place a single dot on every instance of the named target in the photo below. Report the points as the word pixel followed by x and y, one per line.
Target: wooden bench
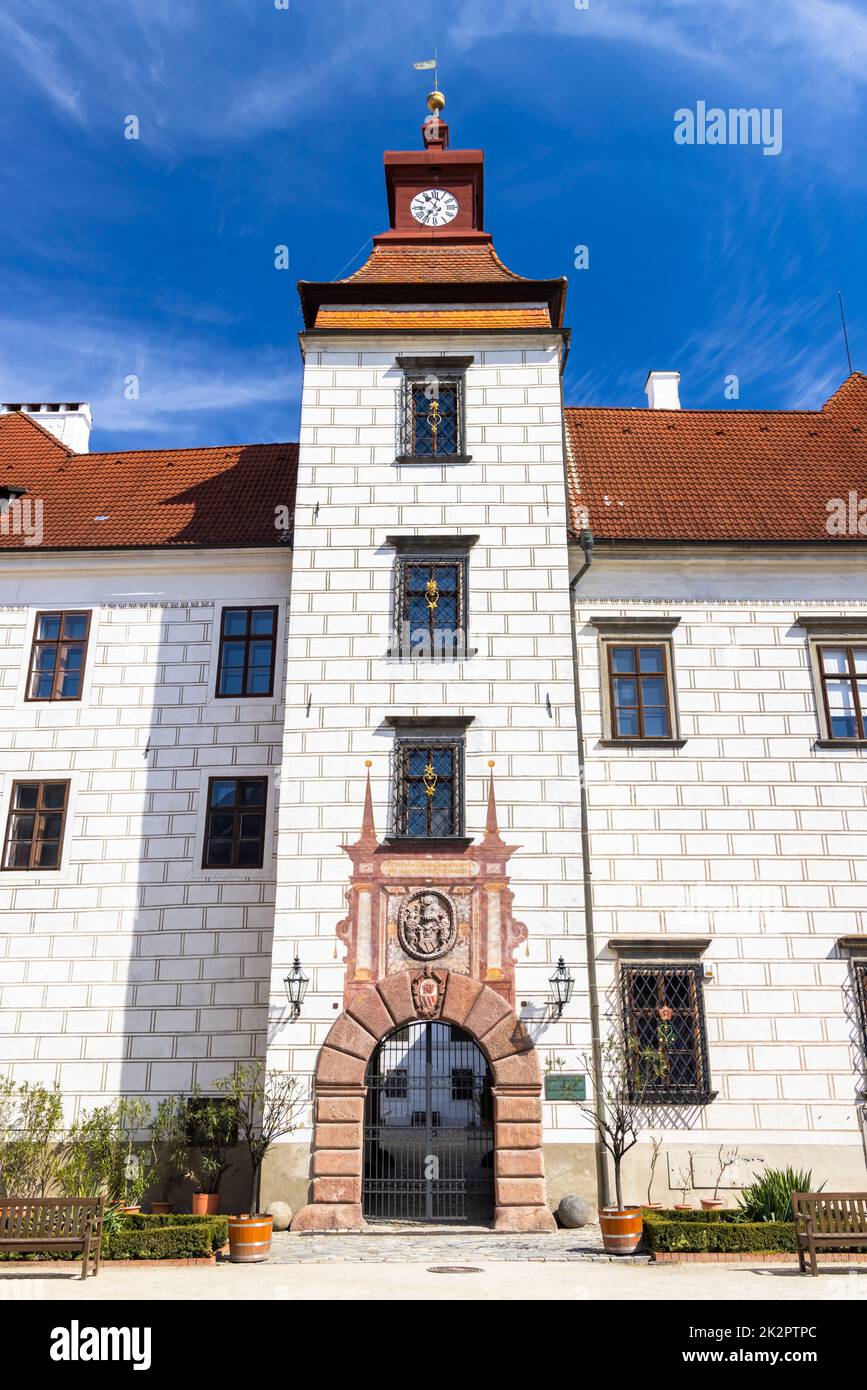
pixel 41 1225
pixel 822 1219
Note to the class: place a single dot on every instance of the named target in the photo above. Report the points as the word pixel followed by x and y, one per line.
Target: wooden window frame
pixel 84 643
pixel 236 810
pixel 847 645
pixel 636 644
pixel 39 809
pixel 658 1091
pixel 404 745
pixel 248 637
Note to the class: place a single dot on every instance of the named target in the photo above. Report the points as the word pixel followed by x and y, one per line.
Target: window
pixel 430 606
pixel 58 656
pixel 843 673
pixel 397 1083
pixel 235 825
pixel 663 1013
pixel 34 830
pixel 463 1083
pixel 860 968
pixel 639 691
pixel 428 778
pixel 248 644
pixel 432 408
pixel 636 656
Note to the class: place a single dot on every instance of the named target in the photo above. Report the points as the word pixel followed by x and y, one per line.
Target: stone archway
pixel 336 1169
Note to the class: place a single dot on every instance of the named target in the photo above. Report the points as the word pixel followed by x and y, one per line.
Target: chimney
pixel 70 422
pixel 662 390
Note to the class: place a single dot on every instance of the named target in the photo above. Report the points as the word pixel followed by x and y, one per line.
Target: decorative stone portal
pixel 408 996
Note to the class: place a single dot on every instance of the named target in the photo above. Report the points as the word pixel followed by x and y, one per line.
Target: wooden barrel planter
pixel 250 1239
pixel 621 1230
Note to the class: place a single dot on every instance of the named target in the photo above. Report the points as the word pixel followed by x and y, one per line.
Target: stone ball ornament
pixel 573 1211
pixel 281 1213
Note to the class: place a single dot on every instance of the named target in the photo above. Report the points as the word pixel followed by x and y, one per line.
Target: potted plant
pixel 725 1159
pixel 655 1151
pixel 31 1128
pixel 628 1071
pixel 267 1106
pixel 210 1132
pixel 683 1183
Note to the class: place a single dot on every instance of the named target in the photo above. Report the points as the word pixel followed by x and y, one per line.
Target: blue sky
pixel 262 126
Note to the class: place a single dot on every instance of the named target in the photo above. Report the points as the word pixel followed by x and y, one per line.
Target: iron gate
pixel 428 1128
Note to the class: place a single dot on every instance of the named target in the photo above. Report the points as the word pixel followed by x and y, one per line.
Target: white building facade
pixel 518 685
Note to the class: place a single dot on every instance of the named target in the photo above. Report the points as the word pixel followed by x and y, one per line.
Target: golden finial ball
pixel 368 762
pixel 491 763
pixel 435 102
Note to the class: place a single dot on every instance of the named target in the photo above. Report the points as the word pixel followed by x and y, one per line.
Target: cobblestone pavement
pixel 440 1247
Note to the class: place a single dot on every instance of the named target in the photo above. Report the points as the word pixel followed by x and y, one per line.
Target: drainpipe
pixel 586 543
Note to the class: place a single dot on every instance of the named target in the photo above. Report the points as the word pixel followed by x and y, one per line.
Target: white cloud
pixel 191 389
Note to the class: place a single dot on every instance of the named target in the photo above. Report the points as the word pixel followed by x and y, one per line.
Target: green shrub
pixel 159 1243
pixel 769 1198
pixel 716 1232
pixel 218 1226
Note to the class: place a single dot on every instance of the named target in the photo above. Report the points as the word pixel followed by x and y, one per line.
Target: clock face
pixel 434 207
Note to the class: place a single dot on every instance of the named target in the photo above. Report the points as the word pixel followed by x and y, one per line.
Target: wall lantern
pixel 296 983
pixel 563 984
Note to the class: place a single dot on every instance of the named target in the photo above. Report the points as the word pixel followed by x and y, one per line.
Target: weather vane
pixel 436 101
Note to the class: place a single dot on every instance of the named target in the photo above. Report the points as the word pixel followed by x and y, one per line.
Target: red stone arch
pixel 336 1169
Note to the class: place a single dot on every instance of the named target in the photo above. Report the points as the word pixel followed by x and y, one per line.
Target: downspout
pixel 589 936
pixel 602 1185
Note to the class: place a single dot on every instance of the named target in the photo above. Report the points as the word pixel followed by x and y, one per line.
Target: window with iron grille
pixel 430 606
pixel 34 830
pixel 428 785
pixel 640 706
pixel 432 415
pixel 843 673
pixel 248 644
pixel 663 1013
pixel 861 990
pixel 58 655
pixel 235 824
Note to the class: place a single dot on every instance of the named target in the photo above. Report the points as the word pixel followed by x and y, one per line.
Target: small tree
pixel 268 1105
pixel 31 1129
pixel 725 1160
pixel 167 1144
pixel 106 1151
pixel 628 1072
pixel 655 1151
pixel 683 1180
pixel 209 1131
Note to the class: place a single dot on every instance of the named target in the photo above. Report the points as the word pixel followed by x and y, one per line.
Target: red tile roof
pixel 716 475
pixel 430 262
pixel 224 496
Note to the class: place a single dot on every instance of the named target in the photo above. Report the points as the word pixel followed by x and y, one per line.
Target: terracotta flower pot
pixel 250 1239
pixel 161 1208
pixel 711 1204
pixel 683 1206
pixel 206 1203
pixel 653 1206
pixel 132 1210
pixel 621 1229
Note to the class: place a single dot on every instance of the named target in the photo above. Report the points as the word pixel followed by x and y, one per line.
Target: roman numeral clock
pixel 434 207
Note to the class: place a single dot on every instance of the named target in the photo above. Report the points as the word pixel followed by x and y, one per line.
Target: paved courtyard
pixel 378 1281
pixel 444 1247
